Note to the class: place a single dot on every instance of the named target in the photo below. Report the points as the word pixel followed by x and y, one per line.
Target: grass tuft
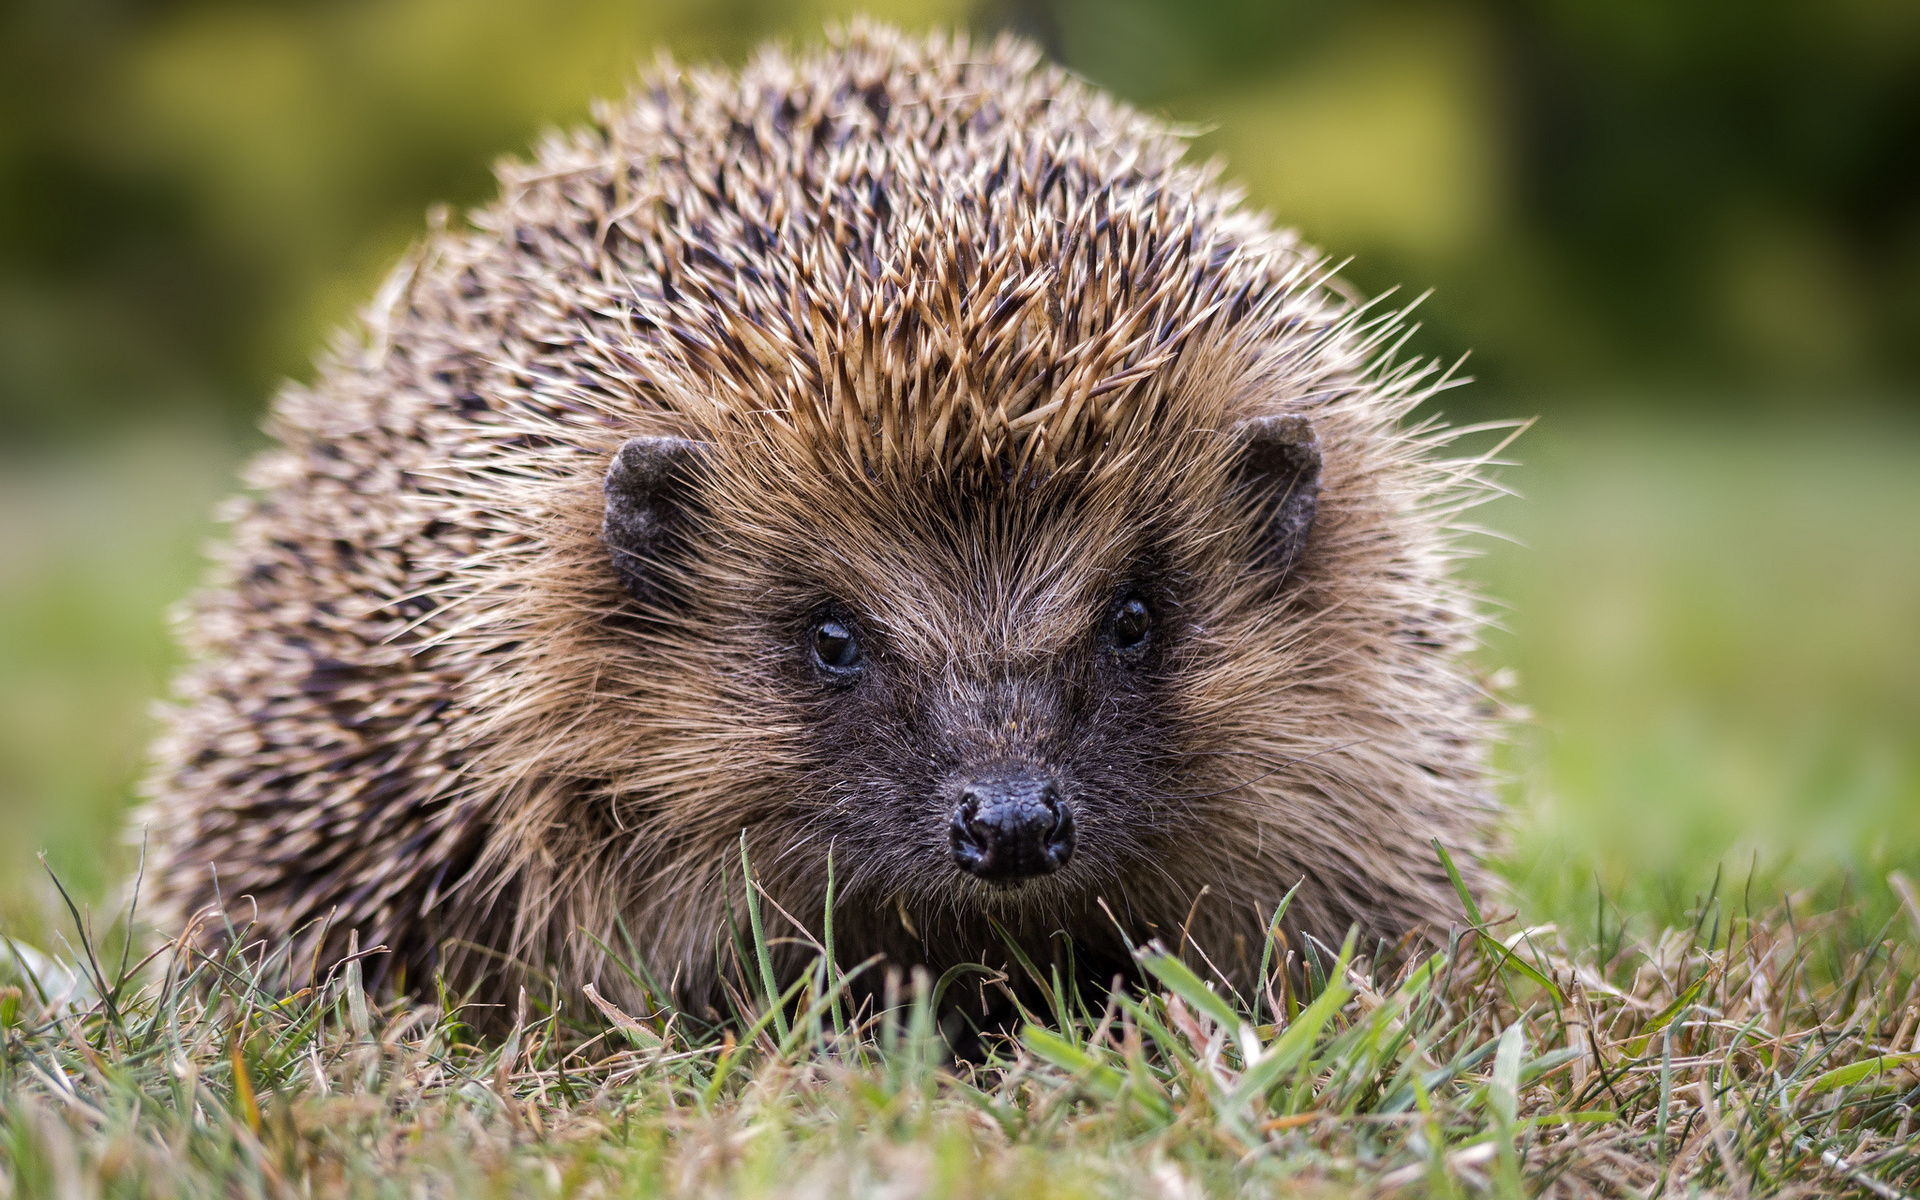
pixel 1739 1055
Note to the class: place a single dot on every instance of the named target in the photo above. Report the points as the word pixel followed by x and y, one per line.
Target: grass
pixel 1744 1054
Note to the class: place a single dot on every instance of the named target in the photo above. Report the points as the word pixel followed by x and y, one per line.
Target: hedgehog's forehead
pixel 995 569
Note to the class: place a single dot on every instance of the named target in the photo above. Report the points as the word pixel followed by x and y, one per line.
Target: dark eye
pixel 835 647
pixel 1131 624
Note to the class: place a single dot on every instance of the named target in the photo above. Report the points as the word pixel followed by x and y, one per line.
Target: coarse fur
pixel 964 345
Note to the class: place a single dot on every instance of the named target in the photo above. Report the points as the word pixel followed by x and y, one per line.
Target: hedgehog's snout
pixel 1011 825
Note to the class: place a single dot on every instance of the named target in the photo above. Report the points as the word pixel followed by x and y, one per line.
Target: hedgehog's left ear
pixel 1279 461
pixel 650 501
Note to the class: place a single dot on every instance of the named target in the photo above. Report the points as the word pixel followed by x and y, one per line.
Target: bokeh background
pixel 1685 236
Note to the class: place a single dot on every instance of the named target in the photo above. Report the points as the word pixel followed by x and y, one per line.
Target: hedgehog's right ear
pixel 650 499
pixel 1279 461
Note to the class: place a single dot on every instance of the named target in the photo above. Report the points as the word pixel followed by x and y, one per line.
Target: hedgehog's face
pixel 988 744
pixel 1012 819
pixel 977 690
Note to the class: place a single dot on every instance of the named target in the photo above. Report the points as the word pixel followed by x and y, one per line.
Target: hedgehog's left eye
pixel 835 647
pixel 1131 624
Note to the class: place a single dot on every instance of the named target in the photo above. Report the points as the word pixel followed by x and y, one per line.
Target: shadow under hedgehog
pixel 893 456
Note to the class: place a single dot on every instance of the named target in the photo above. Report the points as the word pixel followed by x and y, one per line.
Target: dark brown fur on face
pixel 520 632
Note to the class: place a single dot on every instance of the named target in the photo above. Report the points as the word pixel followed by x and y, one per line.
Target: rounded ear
pixel 650 501
pixel 1280 465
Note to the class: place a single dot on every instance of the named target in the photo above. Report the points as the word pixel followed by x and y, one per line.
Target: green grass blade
pixel 1266 951
pixel 1503 1089
pixel 1459 885
pixel 1855 1073
pixel 767 982
pixel 1178 978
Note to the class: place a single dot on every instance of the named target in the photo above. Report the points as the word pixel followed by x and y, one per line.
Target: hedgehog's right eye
pixel 835 647
pixel 1130 625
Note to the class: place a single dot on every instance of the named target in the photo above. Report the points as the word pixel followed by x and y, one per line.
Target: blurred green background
pixel 1687 236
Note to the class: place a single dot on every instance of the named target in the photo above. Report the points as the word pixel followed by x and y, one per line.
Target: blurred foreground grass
pixel 1716 627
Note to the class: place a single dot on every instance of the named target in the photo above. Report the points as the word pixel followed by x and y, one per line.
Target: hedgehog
pixel 891 482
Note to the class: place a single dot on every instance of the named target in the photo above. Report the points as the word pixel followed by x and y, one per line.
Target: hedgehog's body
pixel 1004 513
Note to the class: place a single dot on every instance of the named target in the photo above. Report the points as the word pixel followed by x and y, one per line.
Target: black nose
pixel 1010 826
